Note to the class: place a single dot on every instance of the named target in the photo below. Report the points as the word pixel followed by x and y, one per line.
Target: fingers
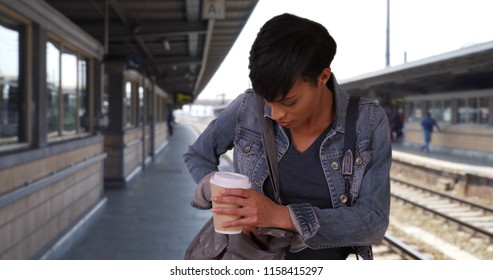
pixel 238 223
pixel 235 196
pixel 240 212
pixel 239 201
pixel 238 192
pixel 246 202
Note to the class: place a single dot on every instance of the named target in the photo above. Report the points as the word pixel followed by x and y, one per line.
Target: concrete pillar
pixel 116 91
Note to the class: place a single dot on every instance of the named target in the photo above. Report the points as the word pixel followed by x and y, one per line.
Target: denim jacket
pixel 362 224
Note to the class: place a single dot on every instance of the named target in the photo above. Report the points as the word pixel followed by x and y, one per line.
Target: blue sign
pixel 134 62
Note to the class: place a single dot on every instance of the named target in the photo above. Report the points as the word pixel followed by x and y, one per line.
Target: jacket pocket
pixel 248 149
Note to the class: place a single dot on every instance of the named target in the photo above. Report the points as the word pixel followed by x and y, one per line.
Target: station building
pixel 456 88
pixel 85 90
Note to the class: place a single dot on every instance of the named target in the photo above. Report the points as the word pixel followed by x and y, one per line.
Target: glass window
pixel 461 110
pixel 484 110
pixel 83 125
pixel 105 109
pixel 10 96
pixel 466 110
pixel 447 111
pixel 472 105
pixel 69 93
pixel 53 88
pixel 415 112
pixel 128 104
pixel 141 106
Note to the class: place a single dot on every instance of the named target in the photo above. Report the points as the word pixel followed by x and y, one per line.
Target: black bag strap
pixel 269 143
pixel 349 143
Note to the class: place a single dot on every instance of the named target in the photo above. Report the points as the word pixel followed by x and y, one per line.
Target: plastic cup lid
pixel 230 180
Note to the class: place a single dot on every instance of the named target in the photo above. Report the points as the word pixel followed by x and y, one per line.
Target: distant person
pixel 427 123
pixel 396 126
pixel 171 121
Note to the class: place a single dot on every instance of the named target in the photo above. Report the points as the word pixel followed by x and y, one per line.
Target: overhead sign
pixel 214 9
pixel 134 62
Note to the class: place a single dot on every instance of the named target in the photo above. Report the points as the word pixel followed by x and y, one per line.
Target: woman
pixel 290 69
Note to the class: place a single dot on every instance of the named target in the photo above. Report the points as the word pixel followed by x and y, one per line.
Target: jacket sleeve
pixel 202 157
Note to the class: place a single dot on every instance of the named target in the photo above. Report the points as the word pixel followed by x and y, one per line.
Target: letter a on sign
pixel 213 9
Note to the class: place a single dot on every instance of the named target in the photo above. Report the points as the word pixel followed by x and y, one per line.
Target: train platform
pixel 444 161
pixel 152 218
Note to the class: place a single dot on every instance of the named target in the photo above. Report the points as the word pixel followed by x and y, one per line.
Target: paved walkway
pixel 152 217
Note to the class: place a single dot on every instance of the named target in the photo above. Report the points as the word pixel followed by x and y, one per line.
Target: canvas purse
pixel 210 245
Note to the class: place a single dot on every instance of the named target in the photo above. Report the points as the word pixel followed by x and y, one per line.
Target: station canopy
pixel 469 68
pixel 179 43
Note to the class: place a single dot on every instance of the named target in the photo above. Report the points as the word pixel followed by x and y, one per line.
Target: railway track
pixel 464 224
pixel 472 216
pixel 393 248
pixel 472 221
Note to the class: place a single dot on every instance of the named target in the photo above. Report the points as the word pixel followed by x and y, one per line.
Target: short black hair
pixel 288 47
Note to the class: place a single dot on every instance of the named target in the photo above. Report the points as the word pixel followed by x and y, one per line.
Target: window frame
pixel 455 100
pixel 65 47
pixel 23 27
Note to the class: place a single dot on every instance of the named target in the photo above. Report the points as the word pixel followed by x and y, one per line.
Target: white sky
pixel 422 28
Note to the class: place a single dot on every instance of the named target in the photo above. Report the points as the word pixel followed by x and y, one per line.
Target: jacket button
pixel 334 165
pixel 359 161
pixel 248 148
pixel 343 198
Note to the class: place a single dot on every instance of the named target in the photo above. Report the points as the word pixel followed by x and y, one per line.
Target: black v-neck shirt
pixel 301 175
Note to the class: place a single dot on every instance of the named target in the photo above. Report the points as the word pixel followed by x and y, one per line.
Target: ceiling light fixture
pixel 166 45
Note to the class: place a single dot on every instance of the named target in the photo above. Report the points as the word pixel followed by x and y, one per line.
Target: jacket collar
pixel 341 101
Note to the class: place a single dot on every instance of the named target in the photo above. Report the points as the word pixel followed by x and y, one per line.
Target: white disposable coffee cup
pixel 219 181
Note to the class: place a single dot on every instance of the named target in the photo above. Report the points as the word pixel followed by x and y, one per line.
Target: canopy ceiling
pixel 170 39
